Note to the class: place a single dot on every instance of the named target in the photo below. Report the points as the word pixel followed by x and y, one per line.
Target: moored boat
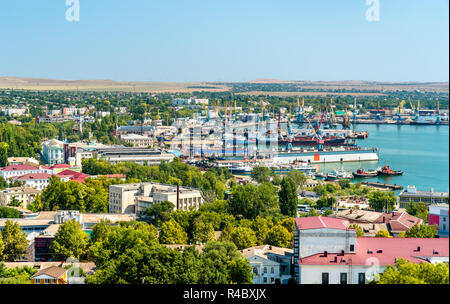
pixel 362 173
pixel 388 171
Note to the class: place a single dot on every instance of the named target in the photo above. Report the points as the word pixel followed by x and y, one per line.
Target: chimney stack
pixel 178 197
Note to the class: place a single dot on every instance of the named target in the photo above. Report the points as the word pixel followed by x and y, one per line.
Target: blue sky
pixel 225 40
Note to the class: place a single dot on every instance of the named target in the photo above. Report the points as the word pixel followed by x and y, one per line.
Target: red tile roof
pixel 18 168
pixel 399 221
pixel 73 175
pixel 113 175
pixel 317 222
pixel 58 166
pixel 54 272
pixel 33 176
pixel 385 250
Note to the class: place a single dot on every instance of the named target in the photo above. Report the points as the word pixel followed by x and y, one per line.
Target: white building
pixel 39 181
pixel 136 198
pixel 137 140
pixel 19 170
pixel 327 251
pixel 269 263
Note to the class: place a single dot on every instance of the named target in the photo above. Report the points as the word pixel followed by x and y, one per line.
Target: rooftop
pixel 318 222
pixel 263 250
pixel 385 250
pixel 33 176
pixel 54 272
pixel 18 168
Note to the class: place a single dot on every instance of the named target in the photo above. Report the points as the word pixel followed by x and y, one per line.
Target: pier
pixel 382 186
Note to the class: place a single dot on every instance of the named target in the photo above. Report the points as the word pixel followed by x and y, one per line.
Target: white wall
pixel 312 274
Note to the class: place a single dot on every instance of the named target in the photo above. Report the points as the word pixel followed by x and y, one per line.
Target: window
pixel 325 278
pixel 255 270
pixel 352 247
pixel 265 269
pixel 265 280
pixel 343 278
pixel 361 278
pixel 272 270
pixel 272 280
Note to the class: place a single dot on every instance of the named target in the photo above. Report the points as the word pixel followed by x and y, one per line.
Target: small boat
pixel 320 175
pixel 337 175
pixel 303 167
pixel 241 169
pixel 388 171
pixel 362 173
pixel 331 177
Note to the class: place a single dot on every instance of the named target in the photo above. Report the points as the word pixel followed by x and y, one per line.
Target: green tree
pixel 160 212
pixel 261 228
pixel 3 154
pixel 243 237
pixel 202 232
pixel 15 202
pixel 419 210
pixel 14 241
pixel 3 183
pixel 422 231
pixel 359 230
pixel 243 200
pixel 172 233
pixel 405 272
pixel 240 271
pixel 288 197
pixel 261 174
pixel 279 236
pixel 298 177
pixel 326 201
pixel 70 241
pixel 380 200
pixel 383 234
pixel 2 248
pixel 344 183
pixel 100 231
pixel 6 212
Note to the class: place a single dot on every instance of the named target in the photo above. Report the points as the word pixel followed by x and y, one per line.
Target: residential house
pixel 51 275
pixel 269 264
pixel 39 181
pixel 327 251
pixel 25 195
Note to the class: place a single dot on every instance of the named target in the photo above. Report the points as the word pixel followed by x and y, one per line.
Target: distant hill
pixel 172 87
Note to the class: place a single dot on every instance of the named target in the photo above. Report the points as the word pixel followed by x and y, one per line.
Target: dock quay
pixel 383 186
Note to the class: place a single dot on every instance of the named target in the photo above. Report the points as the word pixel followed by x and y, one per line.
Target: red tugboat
pixel 388 171
pixel 362 173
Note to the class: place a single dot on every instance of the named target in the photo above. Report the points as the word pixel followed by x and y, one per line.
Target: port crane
pixel 318 132
pixel 301 112
pixel 346 122
pixel 398 116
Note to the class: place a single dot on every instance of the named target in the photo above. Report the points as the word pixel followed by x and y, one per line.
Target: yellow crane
pixel 413 108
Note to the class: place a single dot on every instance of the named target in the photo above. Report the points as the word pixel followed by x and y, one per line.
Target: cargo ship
pixel 309 141
pixel 333 155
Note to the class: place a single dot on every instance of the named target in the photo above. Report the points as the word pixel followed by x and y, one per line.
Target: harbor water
pixel 421 152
